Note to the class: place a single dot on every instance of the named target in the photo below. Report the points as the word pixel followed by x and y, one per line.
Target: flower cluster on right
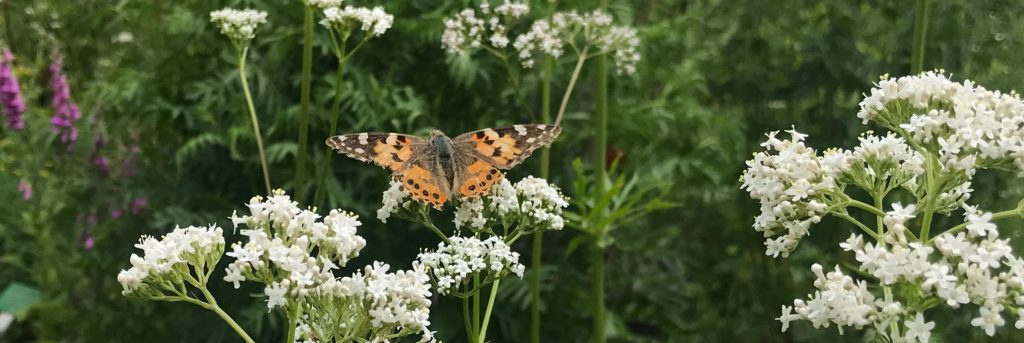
pixel 940 132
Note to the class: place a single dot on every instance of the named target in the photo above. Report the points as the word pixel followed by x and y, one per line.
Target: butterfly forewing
pixel 506 147
pixel 388 150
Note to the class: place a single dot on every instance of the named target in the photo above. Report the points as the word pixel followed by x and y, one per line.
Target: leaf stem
pixel 487 313
pixel 920 31
pixel 252 116
pixel 998 215
pixel 538 237
pixel 304 97
pixel 325 164
pixel 572 84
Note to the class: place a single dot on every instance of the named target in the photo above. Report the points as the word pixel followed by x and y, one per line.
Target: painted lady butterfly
pixel 434 169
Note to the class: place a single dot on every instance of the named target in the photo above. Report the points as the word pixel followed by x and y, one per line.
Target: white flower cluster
pixel 239 25
pixel 280 246
pixel 842 301
pixel 324 4
pixel 373 21
pixel 467 30
pixel 162 259
pixel 393 200
pixel 595 29
pixel 374 305
pixel 532 200
pixel 972 267
pixel 792 184
pixel 968 123
pixel 886 161
pixel 452 264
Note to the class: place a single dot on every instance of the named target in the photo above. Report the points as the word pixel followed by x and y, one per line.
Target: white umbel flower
pixel 373 21
pixel 194 247
pixel 239 25
pixel 290 247
pixel 453 264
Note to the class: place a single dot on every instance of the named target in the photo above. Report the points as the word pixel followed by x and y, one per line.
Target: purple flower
pixel 139 204
pixel 11 102
pixel 65 111
pixel 115 213
pixel 98 159
pixel 26 189
pixel 89 242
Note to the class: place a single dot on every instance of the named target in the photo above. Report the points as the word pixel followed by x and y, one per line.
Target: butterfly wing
pixel 388 150
pixel 480 154
pixel 506 147
pixel 474 176
pixel 405 155
pixel 425 181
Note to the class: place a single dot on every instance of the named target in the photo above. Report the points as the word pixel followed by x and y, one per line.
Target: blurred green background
pixel 714 76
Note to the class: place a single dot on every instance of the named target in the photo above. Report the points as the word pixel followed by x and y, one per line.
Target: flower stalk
pixel 252 117
pixel 304 99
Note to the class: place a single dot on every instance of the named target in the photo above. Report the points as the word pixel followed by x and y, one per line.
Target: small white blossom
pixel 291 247
pixel 372 21
pixel 469 29
pixel 918 330
pixel 323 4
pixel 196 247
pixel 454 263
pixel 239 25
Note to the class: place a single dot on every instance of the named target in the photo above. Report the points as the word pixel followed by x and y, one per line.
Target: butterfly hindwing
pixel 476 177
pixel 506 147
pixel 388 150
pixel 424 184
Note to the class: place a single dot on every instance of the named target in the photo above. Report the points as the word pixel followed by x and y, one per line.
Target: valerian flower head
pixel 469 29
pixel 969 124
pixel 324 4
pixel 453 264
pixel 239 25
pixel 290 249
pixel 591 33
pixel 12 104
pixel 793 185
pixel 374 305
pixel 373 21
pixel 532 202
pixel 166 262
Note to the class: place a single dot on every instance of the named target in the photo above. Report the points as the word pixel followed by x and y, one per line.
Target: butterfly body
pixel 436 169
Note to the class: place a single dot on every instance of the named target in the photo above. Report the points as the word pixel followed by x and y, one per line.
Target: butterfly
pixel 433 170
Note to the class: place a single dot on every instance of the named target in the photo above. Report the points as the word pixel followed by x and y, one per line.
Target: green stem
pixel 600 156
pixel 920 31
pixel 210 304
pixel 430 224
pixel 231 322
pixel 252 116
pixel 933 193
pixel 962 226
pixel 597 261
pixel 879 219
pixel 465 317
pixel 307 74
pixel 876 210
pixel 572 84
pixel 476 303
pixel 859 225
pixel 538 238
pixel 487 313
pixel 325 164
pixel 294 311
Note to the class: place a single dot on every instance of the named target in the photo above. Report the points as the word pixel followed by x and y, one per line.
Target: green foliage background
pixel 715 76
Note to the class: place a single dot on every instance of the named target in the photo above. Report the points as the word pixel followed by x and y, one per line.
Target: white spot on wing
pixel 363 138
pixel 360 150
pixel 531 140
pixel 542 126
pixel 520 129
